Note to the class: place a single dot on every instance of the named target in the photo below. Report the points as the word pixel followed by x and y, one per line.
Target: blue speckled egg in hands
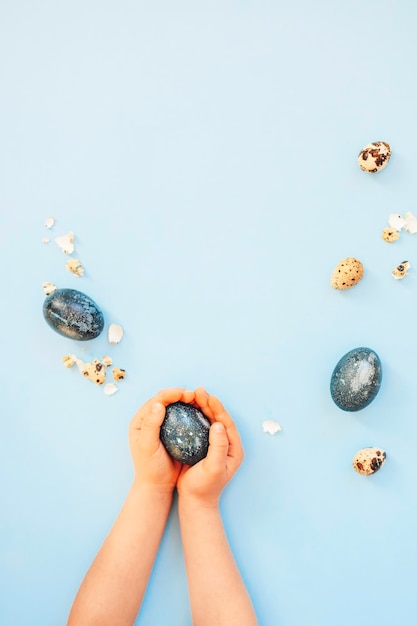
pixel 185 433
pixel 356 379
pixel 73 314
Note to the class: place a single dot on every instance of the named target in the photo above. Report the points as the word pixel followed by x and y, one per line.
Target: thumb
pixel 151 424
pixel 218 448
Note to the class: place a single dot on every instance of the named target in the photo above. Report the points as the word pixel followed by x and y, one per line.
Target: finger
pixel 216 458
pixel 221 415
pixel 202 399
pixel 165 396
pixel 175 394
pixel 219 412
pixel 151 425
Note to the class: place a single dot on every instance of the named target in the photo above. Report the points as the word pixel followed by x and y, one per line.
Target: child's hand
pixel 203 482
pixel 154 467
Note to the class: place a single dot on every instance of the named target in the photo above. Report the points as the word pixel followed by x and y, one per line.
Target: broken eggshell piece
pixel 95 371
pixel 73 314
pixel 356 379
pixel 396 221
pixel 118 373
pixel 185 433
pixel 48 288
pixel 401 270
pixel 75 267
pixel 271 427
pixel 66 243
pixel 110 389
pixel 115 333
pixel 410 223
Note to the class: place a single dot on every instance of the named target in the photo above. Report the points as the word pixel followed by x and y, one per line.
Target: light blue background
pixel 204 154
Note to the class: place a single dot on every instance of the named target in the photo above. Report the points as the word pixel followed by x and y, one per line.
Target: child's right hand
pixel 203 482
pixel 154 467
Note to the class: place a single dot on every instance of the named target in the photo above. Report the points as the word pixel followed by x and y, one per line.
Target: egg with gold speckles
pixel 185 433
pixel 356 379
pixel 73 314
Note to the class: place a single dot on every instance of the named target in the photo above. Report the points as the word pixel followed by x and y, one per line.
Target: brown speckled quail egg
pixel 374 156
pixel 368 460
pixel 347 273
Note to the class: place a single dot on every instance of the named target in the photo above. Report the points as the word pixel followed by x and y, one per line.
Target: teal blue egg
pixel 356 379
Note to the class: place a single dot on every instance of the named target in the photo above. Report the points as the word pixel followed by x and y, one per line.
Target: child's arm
pixel 114 586
pixel 217 592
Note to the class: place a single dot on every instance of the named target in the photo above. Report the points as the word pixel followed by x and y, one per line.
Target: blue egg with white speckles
pixel 73 314
pixel 185 433
pixel 356 379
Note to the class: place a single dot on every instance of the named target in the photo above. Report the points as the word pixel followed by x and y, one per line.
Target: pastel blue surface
pixel 204 155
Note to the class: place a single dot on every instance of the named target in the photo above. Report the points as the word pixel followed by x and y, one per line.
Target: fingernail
pixel 157 407
pixel 218 427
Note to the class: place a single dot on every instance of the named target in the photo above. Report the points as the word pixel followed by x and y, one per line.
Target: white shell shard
pixel 49 222
pixel 271 427
pixel 410 223
pixel 110 389
pixel 107 360
pixel 48 288
pixel 80 364
pixel 45 240
pixel 66 243
pixel 115 333
pixel 401 270
pixel 396 221
pixel 75 267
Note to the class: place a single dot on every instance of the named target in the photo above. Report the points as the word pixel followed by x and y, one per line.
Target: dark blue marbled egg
pixel 185 433
pixel 356 379
pixel 73 314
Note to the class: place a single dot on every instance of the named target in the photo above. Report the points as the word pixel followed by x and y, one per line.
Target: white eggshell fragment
pixel 396 221
pixel 374 156
pixel 410 223
pixel 368 461
pixel 115 333
pixel 271 427
pixel 49 222
pixel 66 243
pixel 110 389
